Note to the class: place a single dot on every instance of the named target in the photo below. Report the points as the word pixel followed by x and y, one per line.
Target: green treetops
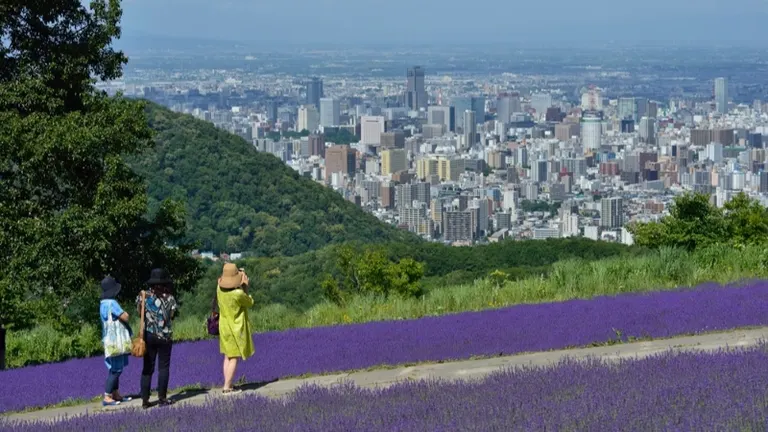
pixel 71 210
pixel 371 272
pixel 694 222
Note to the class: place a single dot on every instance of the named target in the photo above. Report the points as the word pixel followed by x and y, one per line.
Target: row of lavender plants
pixel 524 328
pixel 721 391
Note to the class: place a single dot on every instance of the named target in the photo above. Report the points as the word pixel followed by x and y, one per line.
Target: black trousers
pixel 158 351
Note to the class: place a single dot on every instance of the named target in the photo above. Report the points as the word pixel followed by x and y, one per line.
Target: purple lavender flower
pixel 525 328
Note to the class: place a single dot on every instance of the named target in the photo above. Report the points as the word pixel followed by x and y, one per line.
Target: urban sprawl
pixel 473 160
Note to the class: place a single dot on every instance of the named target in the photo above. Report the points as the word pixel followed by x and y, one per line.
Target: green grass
pixel 570 279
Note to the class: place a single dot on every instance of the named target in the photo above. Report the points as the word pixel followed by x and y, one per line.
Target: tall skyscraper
pixel 416 94
pixel 329 112
pixel 271 108
pixel 309 119
pixel 721 95
pixel 473 103
pixel 648 130
pixel 506 105
pixel 591 131
pixel 612 212
pixel 470 129
pixel 314 92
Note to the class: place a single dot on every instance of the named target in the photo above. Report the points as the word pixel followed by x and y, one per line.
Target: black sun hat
pixel 159 276
pixel 109 288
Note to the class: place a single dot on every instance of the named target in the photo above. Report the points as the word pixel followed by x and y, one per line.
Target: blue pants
pixel 115 366
pixel 113 382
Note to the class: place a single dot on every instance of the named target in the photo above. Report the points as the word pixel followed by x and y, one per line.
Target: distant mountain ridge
pixel 240 200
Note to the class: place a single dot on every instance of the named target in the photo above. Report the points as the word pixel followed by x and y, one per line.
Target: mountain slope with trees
pixel 241 200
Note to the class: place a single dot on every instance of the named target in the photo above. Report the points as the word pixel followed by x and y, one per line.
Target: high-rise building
pixel 648 130
pixel 510 200
pixel 271 108
pixel 472 103
pixel 340 158
pixel 641 108
pixel 721 95
pixel 470 129
pixel 566 131
pixel 314 92
pixel 612 212
pixel 309 118
pixel 392 139
pixel 506 105
pixel 317 145
pixel 416 94
pixel 329 112
pixel 393 160
pixel 627 108
pixel 388 195
pixel 442 115
pixel 458 226
pixel 591 131
pixel 540 102
pixel 715 152
pixel 371 128
pixel 539 171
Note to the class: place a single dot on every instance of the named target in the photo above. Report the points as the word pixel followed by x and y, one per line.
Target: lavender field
pixel 721 391
pixel 524 328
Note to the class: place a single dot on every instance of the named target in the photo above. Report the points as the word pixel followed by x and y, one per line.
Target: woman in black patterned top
pixel 160 309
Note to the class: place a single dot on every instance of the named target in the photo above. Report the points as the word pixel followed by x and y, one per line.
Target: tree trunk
pixel 2 347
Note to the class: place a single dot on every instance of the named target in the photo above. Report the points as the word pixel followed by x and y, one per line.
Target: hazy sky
pixel 435 21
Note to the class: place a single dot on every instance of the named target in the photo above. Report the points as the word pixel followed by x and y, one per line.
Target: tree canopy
pixel 71 210
pixel 694 222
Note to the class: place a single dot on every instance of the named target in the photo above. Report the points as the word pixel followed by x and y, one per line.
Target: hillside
pixel 241 200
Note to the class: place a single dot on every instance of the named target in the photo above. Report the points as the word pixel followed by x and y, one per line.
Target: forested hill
pixel 241 200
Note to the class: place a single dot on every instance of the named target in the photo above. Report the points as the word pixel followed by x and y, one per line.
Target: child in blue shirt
pixel 115 365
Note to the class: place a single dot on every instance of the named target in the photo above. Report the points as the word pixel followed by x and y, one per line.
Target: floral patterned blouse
pixel 160 311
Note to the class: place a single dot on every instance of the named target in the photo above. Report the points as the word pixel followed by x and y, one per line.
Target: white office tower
pixel 470 129
pixel 329 112
pixel 510 200
pixel 309 118
pixel 570 222
pixel 721 95
pixel 715 152
pixel 591 131
pixel 371 128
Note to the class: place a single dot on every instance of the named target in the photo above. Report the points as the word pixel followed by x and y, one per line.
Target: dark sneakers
pixel 162 402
